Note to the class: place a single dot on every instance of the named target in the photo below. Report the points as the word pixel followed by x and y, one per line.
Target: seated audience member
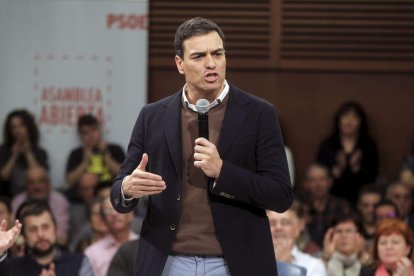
pixel 401 195
pixel 323 206
pixel 20 151
pixel 369 196
pixel 38 187
pixel 350 153
pixel 344 247
pixel 286 228
pixel 392 251
pixel 87 186
pixel 43 254
pixel 385 209
pixel 119 226
pixel 92 231
pixel 95 156
pixel 406 171
pixel 122 264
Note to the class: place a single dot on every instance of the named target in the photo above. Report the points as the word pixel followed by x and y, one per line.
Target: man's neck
pixel 370 228
pixel 121 236
pixel 319 203
pixel 45 260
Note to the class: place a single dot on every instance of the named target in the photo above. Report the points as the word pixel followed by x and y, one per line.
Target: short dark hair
pixel 33 207
pixel 298 208
pixel 27 120
pixel 194 27
pixel 349 217
pixel 387 202
pixel 87 120
pixel 369 189
pixel 320 166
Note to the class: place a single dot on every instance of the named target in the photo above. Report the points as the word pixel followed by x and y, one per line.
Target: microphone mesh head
pixel 202 106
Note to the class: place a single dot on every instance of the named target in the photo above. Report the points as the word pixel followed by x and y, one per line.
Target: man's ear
pixel 179 61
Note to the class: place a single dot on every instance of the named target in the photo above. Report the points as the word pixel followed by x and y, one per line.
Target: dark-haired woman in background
pixel 350 153
pixel 19 151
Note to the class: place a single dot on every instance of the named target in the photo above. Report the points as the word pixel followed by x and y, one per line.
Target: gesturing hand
pixel 329 244
pixel 7 238
pixel 141 183
pixel 207 158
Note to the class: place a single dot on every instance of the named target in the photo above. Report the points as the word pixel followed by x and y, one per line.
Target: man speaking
pixel 207 197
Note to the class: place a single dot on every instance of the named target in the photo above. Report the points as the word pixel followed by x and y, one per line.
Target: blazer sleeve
pixel 133 157
pixel 266 183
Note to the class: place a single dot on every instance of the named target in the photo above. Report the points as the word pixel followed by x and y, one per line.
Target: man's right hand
pixel 141 183
pixel 8 237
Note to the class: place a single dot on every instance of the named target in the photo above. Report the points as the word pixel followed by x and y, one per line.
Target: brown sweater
pixel 195 232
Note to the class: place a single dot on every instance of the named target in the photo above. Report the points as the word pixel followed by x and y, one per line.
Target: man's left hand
pixel 207 158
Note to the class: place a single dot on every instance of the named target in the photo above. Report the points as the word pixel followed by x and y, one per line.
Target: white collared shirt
pixel 217 101
pixel 314 266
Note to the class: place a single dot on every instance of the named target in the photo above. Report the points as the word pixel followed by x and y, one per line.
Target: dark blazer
pixel 254 177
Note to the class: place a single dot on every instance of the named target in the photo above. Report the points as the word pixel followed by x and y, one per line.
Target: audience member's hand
pixel 207 157
pixel 8 237
pixel 328 244
pixel 141 183
pixel 87 153
pixel 20 147
pixel 102 146
pixel 284 247
pixel 340 164
pixel 49 272
pixel 403 268
pixel 355 161
pixel 361 246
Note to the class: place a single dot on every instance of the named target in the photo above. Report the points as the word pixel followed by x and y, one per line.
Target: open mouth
pixel 211 77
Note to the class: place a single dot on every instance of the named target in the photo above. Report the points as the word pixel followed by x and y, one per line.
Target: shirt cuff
pixel 125 201
pixel 2 257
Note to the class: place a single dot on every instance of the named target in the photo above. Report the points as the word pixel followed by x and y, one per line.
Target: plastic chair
pixel 288 269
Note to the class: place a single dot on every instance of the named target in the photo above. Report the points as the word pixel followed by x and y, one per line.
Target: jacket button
pixel 172 227
pixel 178 197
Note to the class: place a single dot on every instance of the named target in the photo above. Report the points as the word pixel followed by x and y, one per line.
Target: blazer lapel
pixel 172 127
pixel 234 117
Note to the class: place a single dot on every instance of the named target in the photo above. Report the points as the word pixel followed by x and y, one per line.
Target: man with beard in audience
pixel 44 257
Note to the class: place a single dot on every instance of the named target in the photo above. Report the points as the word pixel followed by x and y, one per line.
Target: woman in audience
pixel 19 151
pixel 392 250
pixel 350 153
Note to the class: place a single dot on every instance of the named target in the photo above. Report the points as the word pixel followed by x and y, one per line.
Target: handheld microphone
pixel 202 107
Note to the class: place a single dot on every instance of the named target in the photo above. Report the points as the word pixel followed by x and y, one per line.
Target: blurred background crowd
pixel 346 219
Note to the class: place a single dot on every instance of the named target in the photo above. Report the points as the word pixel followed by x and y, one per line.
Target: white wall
pixel 59 58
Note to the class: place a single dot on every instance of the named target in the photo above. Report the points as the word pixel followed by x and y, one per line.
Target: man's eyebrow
pixel 203 53
pixel 218 50
pixel 200 53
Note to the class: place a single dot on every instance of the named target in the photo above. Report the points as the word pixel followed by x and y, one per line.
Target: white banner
pixel 60 59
